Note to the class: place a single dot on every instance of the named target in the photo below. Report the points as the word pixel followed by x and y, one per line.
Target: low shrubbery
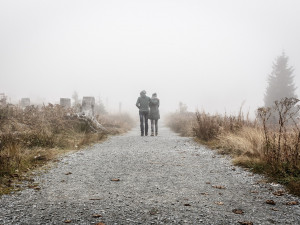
pixel 181 122
pixel 31 136
pixel 269 144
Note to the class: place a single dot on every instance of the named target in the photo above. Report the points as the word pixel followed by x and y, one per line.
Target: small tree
pixel 182 107
pixel 76 104
pixel 99 107
pixel 280 82
pixel 75 98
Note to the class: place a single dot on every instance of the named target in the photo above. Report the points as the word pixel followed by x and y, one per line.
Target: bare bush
pixel 281 139
pixel 207 127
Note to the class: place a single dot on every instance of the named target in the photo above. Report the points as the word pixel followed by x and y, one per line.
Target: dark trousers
pixel 144 120
pixel 154 123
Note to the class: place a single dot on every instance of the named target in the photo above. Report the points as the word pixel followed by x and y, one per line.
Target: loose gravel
pixel 130 179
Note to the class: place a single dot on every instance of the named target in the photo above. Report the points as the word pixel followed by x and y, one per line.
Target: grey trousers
pixel 154 123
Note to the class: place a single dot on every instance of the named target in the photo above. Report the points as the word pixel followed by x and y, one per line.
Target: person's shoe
pixel 152 134
pixel 146 134
pixel 156 133
pixel 142 134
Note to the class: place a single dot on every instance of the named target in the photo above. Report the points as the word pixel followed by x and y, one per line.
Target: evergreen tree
pixel 280 82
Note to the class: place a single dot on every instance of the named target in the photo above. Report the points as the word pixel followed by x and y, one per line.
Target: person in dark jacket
pixel 154 113
pixel 143 104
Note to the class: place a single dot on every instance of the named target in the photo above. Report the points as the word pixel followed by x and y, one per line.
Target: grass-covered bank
pixel 267 147
pixel 31 137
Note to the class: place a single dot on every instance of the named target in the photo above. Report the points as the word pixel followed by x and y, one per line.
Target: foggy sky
pixel 209 54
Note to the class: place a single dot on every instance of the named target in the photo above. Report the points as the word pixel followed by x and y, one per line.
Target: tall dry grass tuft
pixel 247 142
pixel 207 127
pixel 10 159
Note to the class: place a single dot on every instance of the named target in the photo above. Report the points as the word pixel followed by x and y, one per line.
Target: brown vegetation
pixel 29 137
pixel 265 146
pixel 181 122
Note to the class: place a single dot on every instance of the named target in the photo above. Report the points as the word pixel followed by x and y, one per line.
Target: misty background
pixel 208 54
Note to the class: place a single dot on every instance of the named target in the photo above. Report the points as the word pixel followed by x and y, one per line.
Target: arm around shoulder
pixel 138 102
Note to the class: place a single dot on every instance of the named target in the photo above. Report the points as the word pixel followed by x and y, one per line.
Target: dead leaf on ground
pixel 97 215
pixel 270 202
pixel 204 193
pixel 67 221
pixel 278 193
pixel 115 179
pixel 275 209
pixel 207 182
pixel 254 192
pixel 68 173
pixel 153 211
pixel 187 204
pixel 95 199
pixel 100 223
pixel 245 222
pixel 219 186
pixel 34 186
pixel 219 203
pixel 237 211
pixel 292 203
pixel 262 181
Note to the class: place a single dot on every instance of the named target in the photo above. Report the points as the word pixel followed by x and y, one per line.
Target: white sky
pixel 209 54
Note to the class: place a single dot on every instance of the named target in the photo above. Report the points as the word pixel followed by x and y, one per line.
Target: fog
pixel 209 54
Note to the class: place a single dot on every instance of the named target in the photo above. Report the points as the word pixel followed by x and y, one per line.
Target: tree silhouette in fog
pixel 280 82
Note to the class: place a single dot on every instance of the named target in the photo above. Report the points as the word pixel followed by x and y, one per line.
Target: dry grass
pixel 181 122
pixel 31 137
pixel 116 123
pixel 248 141
pixel 268 148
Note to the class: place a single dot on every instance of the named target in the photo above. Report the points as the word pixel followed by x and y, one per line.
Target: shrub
pixel 281 139
pixel 181 122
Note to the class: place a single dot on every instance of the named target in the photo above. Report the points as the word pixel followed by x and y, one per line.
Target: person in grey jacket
pixel 143 104
pixel 154 113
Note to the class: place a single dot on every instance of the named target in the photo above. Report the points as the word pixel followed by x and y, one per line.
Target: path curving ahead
pixel 162 180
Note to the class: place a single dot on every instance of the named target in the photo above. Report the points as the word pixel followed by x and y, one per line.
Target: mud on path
pixel 130 179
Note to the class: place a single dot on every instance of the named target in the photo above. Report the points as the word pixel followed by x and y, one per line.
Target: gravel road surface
pixel 130 179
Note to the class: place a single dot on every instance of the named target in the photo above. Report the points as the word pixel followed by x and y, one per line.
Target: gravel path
pixel 162 180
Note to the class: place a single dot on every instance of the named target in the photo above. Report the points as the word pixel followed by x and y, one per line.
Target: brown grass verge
pixel 33 137
pixel 247 143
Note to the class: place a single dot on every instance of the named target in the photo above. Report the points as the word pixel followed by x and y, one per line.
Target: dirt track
pixel 162 180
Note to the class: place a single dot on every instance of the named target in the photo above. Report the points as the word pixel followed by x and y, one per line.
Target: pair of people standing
pixel 144 103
